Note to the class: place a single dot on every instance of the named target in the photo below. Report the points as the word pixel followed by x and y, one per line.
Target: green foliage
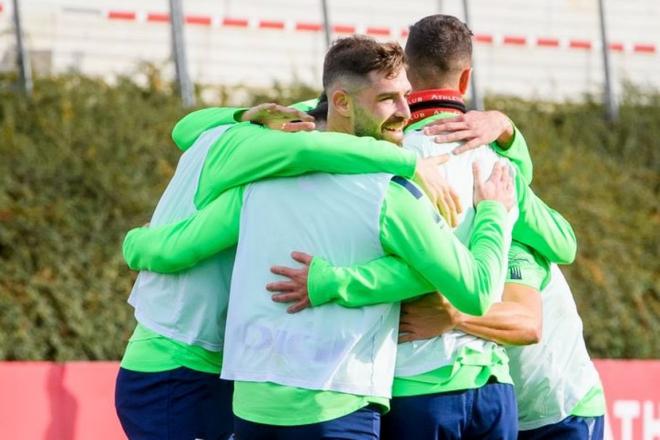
pixel 83 161
pixel 605 179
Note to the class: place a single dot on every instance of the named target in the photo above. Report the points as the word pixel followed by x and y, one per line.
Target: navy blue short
pixel 179 404
pixel 571 428
pixel 363 424
pixel 489 412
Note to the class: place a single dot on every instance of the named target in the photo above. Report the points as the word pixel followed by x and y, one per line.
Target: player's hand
pixel 475 128
pixel 498 187
pixel 437 189
pixel 427 317
pixel 279 117
pixel 295 290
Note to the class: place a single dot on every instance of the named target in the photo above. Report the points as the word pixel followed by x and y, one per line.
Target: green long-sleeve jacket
pixel 248 153
pixel 178 246
pixel 151 249
pixel 406 230
pixel 381 280
pixel 168 250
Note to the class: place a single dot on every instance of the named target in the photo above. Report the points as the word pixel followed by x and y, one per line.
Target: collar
pixel 425 103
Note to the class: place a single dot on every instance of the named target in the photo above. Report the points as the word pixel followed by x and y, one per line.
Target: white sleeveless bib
pixel 336 217
pixel 189 306
pixel 419 357
pixel 551 377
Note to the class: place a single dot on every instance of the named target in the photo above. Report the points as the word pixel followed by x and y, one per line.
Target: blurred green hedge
pixel 83 161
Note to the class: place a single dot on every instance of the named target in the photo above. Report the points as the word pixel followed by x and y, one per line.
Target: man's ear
pixel 342 102
pixel 464 80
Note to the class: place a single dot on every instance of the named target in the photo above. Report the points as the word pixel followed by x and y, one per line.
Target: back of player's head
pixel 350 59
pixel 439 48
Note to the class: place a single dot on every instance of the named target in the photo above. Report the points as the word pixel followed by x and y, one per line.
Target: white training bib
pixel 336 217
pixel 419 357
pixel 188 306
pixel 552 376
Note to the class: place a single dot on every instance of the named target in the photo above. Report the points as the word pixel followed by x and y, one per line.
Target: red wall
pixel 75 400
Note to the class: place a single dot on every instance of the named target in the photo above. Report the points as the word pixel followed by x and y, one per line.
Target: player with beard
pixel 457 385
pixel 168 381
pixel 306 376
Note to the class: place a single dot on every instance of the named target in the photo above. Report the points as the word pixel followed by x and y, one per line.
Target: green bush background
pixel 84 161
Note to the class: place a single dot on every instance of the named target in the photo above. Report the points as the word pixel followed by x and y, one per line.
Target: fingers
pixel 285 271
pixel 272 107
pixel 463 135
pixel 299 298
pixel 509 179
pixel 446 125
pixel 277 116
pixel 457 200
pixel 451 206
pixel 292 114
pixel 470 145
pixel 265 107
pixel 300 305
pixel 430 129
pixel 302 257
pixel 505 176
pixel 282 286
pixel 439 159
pixel 476 172
pixel 304 117
pixel 496 174
pixel 447 208
pixel 292 127
pixel 287 297
pixel 407 337
pixel 443 208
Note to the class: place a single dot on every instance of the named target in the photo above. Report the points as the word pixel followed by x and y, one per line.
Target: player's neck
pixel 339 124
pixel 428 102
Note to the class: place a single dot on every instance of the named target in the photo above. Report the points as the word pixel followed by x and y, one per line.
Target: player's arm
pixel 179 246
pixel 542 228
pixel 515 149
pixel 276 116
pixel 388 279
pixel 517 320
pixel 250 152
pixel 469 277
pixel 191 126
pixel 383 280
pixel 226 165
pixel 428 246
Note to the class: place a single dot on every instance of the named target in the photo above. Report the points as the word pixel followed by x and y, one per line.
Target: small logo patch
pixel 515 273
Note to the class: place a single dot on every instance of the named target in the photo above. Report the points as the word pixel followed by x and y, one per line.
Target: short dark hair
pixel 320 112
pixel 439 44
pixel 358 55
